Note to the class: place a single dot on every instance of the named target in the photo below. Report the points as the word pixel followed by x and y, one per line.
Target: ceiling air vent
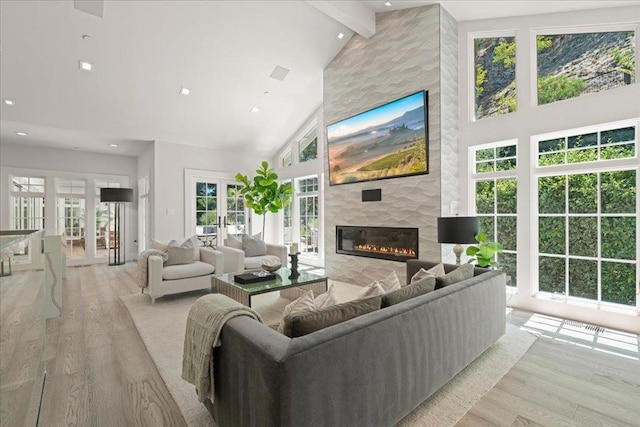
pixel 279 73
pixel 92 7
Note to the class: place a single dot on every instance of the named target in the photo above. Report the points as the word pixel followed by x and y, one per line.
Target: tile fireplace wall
pixel 412 49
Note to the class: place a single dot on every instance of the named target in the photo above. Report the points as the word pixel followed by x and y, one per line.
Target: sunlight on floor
pixel 609 341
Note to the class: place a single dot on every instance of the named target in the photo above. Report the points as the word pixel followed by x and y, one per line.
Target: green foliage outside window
pixel 505 52
pixel 481 75
pixel 625 60
pixel 557 88
pixel 543 43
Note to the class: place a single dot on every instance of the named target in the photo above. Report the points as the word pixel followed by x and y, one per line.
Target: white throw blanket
pixel 204 323
pixel 143 265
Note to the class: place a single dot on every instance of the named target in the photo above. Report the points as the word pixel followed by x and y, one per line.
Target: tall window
pixel 206 209
pixel 105 224
pixel 308 145
pixel 571 65
pixel 143 213
pixel 27 210
pixel 307 196
pixel 235 210
pixel 587 218
pixel 496 197
pixel 71 215
pixel 494 63
pixel 287 222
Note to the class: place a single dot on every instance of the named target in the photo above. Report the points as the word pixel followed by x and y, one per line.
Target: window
pixel 587 218
pixel 105 224
pixel 206 209
pixel 235 210
pixel 494 63
pixel 308 145
pixel 143 213
pixel 496 199
pixel 286 159
pixel 27 210
pixel 71 215
pixel 571 65
pixel 287 222
pixel 307 196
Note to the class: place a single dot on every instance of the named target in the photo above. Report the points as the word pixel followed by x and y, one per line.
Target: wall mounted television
pixel 388 141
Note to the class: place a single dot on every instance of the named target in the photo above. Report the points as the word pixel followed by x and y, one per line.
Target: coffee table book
pixel 253 277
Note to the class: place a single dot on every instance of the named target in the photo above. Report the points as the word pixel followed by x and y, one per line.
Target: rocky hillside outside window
pixel 571 65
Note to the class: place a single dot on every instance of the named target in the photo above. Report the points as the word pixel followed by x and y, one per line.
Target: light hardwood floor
pixel 100 374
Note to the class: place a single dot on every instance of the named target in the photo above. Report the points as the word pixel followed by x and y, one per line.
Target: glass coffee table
pixel 289 288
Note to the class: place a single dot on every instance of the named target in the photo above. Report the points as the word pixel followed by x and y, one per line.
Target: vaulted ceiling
pixel 144 52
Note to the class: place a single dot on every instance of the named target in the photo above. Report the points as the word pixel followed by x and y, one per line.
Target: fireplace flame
pixel 384 250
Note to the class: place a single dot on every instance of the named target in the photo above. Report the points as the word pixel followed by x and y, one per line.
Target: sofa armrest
pixel 278 250
pixel 213 257
pixel 233 260
pixel 154 272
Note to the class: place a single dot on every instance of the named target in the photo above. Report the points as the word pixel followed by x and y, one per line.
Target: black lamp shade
pixel 458 229
pixel 116 194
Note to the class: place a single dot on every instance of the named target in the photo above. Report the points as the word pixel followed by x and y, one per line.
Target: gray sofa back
pixel 369 371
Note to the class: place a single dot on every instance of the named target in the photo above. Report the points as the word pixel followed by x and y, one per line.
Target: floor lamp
pixel 458 229
pixel 118 196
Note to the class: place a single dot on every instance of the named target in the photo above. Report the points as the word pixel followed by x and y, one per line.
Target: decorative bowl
pixel 271 266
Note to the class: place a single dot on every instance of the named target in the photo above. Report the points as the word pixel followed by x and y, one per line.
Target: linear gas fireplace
pixel 393 243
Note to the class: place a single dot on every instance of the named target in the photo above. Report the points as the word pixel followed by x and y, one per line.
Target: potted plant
pixel 263 193
pixel 483 254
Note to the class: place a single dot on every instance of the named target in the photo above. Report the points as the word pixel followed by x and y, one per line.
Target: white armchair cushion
pixel 253 246
pixel 193 240
pixel 233 242
pixel 180 254
pixel 184 271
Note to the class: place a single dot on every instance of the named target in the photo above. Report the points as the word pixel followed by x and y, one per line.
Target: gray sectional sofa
pixel 369 371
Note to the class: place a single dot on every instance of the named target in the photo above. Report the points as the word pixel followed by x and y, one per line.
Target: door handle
pixel 218 220
pixel 225 221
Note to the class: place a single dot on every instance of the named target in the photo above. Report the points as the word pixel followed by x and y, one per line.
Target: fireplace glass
pixel 392 243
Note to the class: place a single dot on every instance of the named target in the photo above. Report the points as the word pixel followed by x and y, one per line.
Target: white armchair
pixel 236 260
pixel 172 279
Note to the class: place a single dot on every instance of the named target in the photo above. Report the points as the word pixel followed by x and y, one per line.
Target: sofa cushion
pixel 180 254
pixel 461 273
pixel 326 299
pixel 390 283
pixel 308 322
pixel 435 271
pixel 256 261
pixel 233 242
pixel 195 244
pixel 184 271
pixel 305 303
pixel 253 245
pixel 371 290
pixel 420 287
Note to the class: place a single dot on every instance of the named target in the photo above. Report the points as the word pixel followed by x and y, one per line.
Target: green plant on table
pixel 484 253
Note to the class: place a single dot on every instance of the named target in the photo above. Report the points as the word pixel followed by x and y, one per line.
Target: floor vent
pixel 586 326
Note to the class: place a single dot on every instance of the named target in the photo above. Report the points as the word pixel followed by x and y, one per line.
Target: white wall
pixel 529 119
pixel 170 161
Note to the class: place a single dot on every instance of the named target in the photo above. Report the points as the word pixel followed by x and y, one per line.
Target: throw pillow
pixel 304 303
pixel 253 246
pixel 371 290
pixel 420 287
pixel 234 242
pixel 434 271
pixel 390 283
pixel 158 245
pixel 306 323
pixel 461 273
pixel 179 254
pixel 326 299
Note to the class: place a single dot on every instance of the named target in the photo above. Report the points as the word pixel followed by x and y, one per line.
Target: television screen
pixel 385 142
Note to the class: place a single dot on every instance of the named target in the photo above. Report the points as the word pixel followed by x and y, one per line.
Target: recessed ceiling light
pixel 8 101
pixel 113 145
pixel 185 91
pixel 84 65
pixel 21 133
pixel 340 35
pixel 388 3
pixel 255 109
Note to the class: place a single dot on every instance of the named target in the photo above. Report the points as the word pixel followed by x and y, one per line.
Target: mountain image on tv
pixel 385 142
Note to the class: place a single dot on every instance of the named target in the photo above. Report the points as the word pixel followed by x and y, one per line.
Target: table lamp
pixel 458 229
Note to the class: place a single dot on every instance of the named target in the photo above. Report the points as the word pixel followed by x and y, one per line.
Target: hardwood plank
pixel 587 416
pixel 524 422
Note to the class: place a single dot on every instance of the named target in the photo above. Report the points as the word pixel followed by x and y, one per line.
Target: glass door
pixel 219 210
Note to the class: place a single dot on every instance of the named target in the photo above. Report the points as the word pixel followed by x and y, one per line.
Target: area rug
pixel 161 327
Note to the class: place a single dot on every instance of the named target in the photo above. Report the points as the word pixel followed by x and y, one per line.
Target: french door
pixel 214 208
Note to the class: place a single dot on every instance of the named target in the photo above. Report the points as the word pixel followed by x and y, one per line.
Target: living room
pixel 407 50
